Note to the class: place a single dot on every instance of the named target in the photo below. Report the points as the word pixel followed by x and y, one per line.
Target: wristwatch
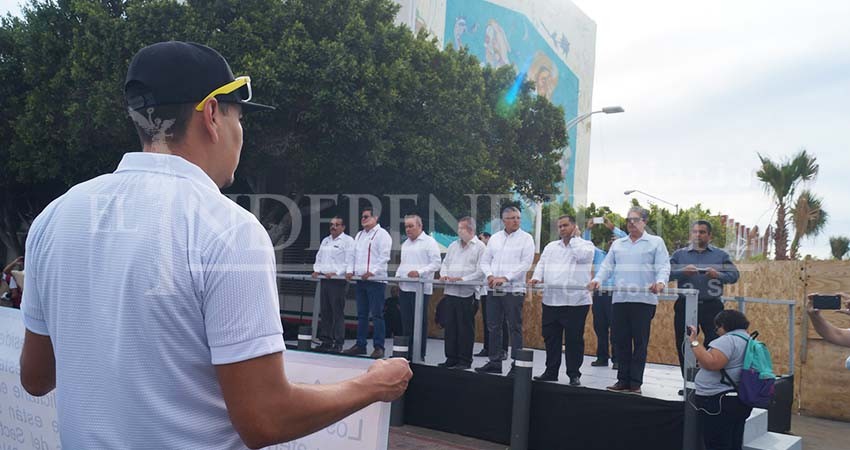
pixel 694 344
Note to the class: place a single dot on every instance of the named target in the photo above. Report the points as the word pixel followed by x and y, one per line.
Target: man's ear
pixel 211 116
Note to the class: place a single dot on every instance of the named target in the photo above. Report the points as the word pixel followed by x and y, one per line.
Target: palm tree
pixel 780 181
pixel 808 217
pixel 839 245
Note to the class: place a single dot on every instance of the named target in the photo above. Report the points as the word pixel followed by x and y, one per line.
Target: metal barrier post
pixel 401 349
pixel 791 320
pixel 690 436
pixel 304 339
pixel 317 302
pixel 418 323
pixel 742 305
pixel 523 362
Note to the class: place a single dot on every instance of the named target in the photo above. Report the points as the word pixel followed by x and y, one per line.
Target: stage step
pixel 775 441
pixel 756 436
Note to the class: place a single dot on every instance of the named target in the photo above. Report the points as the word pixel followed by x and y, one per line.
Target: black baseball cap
pixel 174 72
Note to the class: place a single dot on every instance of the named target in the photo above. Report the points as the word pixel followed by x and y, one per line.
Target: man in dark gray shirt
pixel 706 268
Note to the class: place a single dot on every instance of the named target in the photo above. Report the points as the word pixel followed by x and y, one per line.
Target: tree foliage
pixel 780 181
pixel 839 245
pixel 809 219
pixel 363 105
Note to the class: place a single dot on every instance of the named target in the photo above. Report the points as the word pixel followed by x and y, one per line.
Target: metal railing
pixel 690 435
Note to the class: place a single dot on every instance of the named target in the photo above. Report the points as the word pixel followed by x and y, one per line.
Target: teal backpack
pixel 756 388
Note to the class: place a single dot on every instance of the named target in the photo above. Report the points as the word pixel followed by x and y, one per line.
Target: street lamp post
pixel 652 196
pixel 538 207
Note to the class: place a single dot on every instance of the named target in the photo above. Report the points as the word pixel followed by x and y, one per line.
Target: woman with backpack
pixel 722 414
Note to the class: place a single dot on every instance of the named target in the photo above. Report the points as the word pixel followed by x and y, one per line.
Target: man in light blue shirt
pixel 638 262
pixel 602 308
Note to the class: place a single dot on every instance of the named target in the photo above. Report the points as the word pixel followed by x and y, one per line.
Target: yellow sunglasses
pixel 227 89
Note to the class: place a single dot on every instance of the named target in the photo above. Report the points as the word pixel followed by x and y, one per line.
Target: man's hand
pixel 496 281
pixel 413 274
pixel 329 275
pixel 589 224
pixel 390 376
pixel 846 298
pixel 593 286
pixel 315 275
pixel 689 270
pixel 533 281
pixel 657 287
pixel 609 224
pixel 349 276
pixel 712 273
pixel 367 275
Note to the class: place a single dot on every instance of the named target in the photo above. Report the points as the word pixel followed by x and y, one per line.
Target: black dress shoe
pixel 461 366
pixel 447 364
pixel 490 367
pixel 574 381
pixel 615 366
pixel 483 352
pixel 546 377
pixel 600 363
pixel 355 350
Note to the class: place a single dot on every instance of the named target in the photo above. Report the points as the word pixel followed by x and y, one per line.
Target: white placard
pixel 28 422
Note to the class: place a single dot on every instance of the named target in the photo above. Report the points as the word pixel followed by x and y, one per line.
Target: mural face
pixel 496 47
pixel 544 73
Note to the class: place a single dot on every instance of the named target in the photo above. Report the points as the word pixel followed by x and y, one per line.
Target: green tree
pixel 780 181
pixel 839 245
pixel 364 105
pixel 809 219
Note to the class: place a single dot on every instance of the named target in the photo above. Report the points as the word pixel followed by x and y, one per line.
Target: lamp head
pixel 628 192
pixel 613 109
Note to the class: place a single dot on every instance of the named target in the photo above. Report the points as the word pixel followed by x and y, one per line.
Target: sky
pixel 706 88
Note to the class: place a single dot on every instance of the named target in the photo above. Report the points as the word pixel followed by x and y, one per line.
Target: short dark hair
pixel 706 223
pixel 731 319
pixel 150 122
pixel 154 120
pixel 368 208
pixel 339 218
pixel 485 234
pixel 572 219
pixel 511 208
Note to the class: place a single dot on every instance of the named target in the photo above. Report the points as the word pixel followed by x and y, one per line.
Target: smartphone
pixel 702 270
pixel 826 301
pixel 598 220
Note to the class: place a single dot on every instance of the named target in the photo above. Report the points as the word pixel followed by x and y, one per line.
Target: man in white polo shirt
pixel 505 262
pixel 331 261
pixel 420 258
pixel 461 264
pixel 369 260
pixel 178 344
pixel 566 261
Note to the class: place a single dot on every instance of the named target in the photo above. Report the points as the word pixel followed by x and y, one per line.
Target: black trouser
pixel 460 328
pixel 707 309
pixel 722 419
pixel 602 321
pixel 407 304
pixel 632 322
pixel 500 308
pixel 332 309
pixel 487 331
pixel 564 324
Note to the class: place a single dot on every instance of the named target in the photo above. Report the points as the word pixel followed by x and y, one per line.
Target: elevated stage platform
pixel 562 417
